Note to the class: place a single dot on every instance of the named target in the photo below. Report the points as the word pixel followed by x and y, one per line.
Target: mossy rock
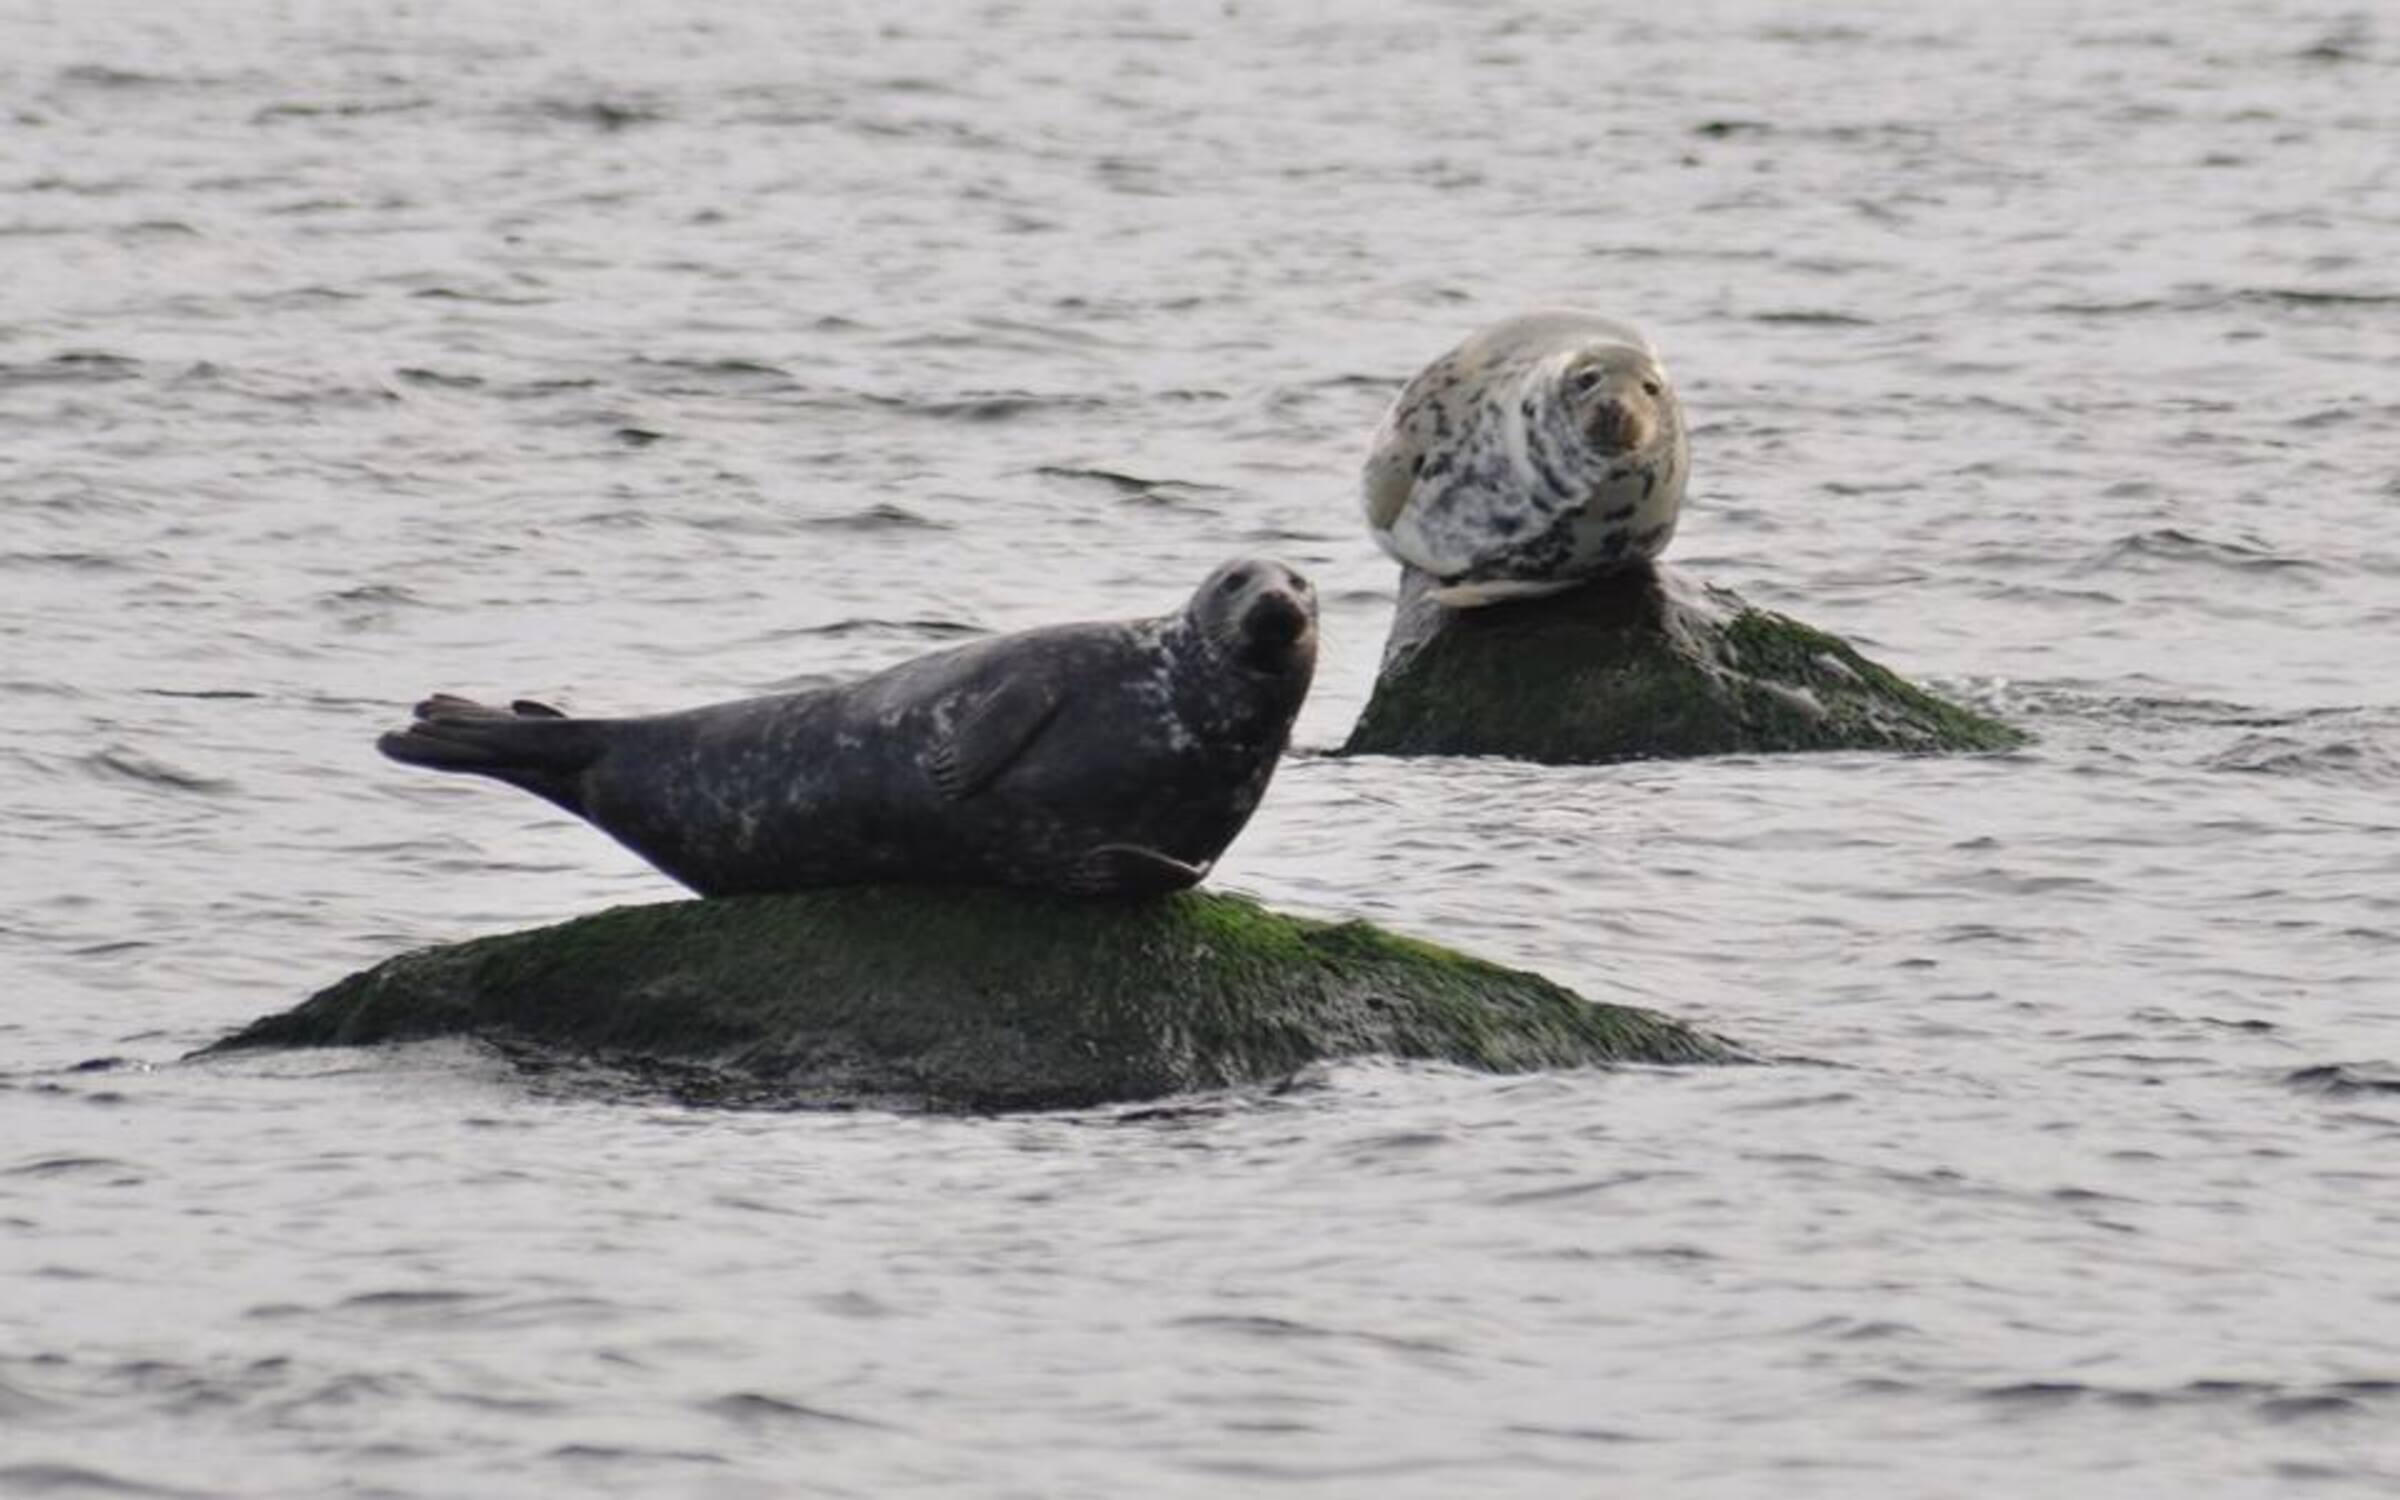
pixel 1642 665
pixel 973 999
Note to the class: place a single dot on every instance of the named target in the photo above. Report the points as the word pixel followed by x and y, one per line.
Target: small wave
pixel 935 128
pixel 2212 299
pixel 1574 1434
pixel 882 516
pixel 372 595
pixel 1135 488
pixel 73 367
pixel 80 562
pixel 1263 1326
pixel 418 375
pixel 485 296
pixel 993 406
pixel 597 114
pixel 2145 551
pixel 132 765
pixel 753 1409
pixel 932 629
pixel 102 76
pixel 1813 317
pixel 2353 761
pixel 2345 1080
pixel 2316 297
pixel 737 368
pixel 345 109
pixel 2268 1399
pixel 37 1479
pixel 612 1454
pixel 2351 43
pixel 409 1298
pixel 73 1166
pixel 1606 1182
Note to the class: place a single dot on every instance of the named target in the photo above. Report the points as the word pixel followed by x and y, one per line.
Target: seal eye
pixel 1586 380
pixel 1233 583
pixel 1653 389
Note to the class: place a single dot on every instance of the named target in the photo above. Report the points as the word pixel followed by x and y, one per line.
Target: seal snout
pixel 1621 423
pixel 1275 620
pixel 1279 625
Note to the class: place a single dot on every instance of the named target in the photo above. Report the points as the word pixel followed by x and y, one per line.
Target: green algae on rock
pixel 1643 665
pixel 973 998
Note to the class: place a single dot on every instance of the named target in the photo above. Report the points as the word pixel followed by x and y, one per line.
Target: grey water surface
pixel 638 353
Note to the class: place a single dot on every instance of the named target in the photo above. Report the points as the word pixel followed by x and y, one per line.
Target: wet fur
pixel 1108 759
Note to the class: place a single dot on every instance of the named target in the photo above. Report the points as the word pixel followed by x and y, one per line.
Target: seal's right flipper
pixel 985 735
pixel 1129 870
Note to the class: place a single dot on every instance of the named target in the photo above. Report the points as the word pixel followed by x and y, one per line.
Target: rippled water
pixel 639 354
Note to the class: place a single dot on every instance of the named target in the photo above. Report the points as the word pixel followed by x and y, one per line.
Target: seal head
pixel 1260 616
pixel 1109 758
pixel 1545 450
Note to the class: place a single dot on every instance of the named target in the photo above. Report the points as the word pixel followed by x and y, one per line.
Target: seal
pixel 1104 758
pixel 1544 450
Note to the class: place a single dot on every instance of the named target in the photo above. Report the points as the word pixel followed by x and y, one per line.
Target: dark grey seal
pixel 1108 758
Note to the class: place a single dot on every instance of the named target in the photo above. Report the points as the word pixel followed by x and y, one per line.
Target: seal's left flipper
pixel 1129 870
pixel 985 735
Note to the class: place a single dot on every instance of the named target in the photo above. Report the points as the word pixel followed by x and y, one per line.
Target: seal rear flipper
pixel 528 745
pixel 1129 870
pixel 981 737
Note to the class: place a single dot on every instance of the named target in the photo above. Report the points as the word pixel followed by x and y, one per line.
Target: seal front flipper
pixel 529 745
pixel 1129 870
pixel 979 737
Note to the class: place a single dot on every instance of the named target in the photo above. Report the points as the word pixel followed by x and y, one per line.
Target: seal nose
pixel 1619 424
pixel 1276 619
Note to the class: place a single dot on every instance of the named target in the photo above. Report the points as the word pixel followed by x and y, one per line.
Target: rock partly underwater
pixel 1643 665
pixel 971 999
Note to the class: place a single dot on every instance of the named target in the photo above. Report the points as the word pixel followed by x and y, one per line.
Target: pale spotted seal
pixel 1109 758
pixel 1542 451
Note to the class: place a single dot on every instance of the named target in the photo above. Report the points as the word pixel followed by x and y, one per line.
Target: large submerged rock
pixel 1646 664
pixel 976 999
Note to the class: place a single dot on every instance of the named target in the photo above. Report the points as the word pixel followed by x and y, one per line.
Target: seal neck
pixel 1224 697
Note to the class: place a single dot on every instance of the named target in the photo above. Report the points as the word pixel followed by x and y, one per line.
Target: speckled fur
pixel 1106 758
pixel 1485 475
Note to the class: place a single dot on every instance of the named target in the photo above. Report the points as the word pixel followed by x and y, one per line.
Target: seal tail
pixel 526 744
